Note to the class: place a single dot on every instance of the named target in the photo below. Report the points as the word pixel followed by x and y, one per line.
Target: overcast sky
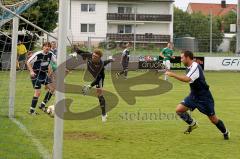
pixel 184 3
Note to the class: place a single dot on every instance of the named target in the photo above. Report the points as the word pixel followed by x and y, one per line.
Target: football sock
pixel 34 103
pixel 122 72
pixel 46 98
pixel 125 73
pixel 186 117
pixel 220 125
pixel 102 104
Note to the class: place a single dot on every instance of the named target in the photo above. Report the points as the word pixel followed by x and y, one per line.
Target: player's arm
pixel 30 62
pixel 84 54
pixel 192 75
pixel 86 88
pixel 96 81
pixel 172 57
pixel 182 78
pixel 106 62
pixel 161 55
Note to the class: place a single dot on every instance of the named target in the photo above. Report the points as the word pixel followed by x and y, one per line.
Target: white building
pixel 121 20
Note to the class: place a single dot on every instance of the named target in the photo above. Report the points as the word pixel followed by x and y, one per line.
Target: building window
pixel 125 29
pixel 91 28
pixel 91 8
pixel 84 7
pixel 128 10
pixel 84 28
pixel 88 28
pixel 128 29
pixel 125 10
pixel 120 9
pixel 88 7
pixel 120 28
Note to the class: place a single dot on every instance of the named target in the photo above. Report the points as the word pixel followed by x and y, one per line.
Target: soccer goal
pixel 25 26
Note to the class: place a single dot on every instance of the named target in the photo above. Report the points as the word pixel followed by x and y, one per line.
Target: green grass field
pixel 124 136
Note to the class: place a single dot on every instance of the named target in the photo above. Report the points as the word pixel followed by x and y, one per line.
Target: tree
pixel 197 25
pixel 181 25
pixel 230 18
pixel 43 14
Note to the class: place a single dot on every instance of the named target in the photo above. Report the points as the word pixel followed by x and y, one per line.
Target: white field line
pixel 44 152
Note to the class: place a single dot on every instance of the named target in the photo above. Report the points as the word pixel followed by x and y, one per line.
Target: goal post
pixel 14 25
pixel 12 84
pixel 62 49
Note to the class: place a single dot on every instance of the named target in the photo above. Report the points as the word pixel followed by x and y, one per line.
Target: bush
pixel 233 44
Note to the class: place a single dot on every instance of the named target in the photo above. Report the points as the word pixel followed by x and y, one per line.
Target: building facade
pixel 143 21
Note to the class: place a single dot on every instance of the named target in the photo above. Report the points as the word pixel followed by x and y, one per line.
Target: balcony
pixel 139 17
pixel 156 38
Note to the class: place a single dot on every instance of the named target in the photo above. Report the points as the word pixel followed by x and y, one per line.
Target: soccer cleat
pixel 33 113
pixel 117 75
pixel 191 128
pixel 226 135
pixel 86 89
pixel 43 107
pixel 104 118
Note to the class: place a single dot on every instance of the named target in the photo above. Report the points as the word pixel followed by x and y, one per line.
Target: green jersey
pixel 167 53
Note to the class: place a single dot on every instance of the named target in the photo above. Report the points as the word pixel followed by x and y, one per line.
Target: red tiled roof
pixel 206 8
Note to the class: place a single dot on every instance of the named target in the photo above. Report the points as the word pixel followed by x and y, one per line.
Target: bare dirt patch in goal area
pixel 76 135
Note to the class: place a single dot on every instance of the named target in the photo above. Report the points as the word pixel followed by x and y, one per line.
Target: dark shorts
pixel 40 80
pixel 100 83
pixel 205 104
pixel 22 57
pixel 125 65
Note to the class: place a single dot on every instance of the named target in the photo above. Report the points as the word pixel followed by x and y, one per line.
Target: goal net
pixel 24 136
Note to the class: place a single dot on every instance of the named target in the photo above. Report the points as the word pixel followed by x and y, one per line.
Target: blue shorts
pixel 39 80
pixel 205 104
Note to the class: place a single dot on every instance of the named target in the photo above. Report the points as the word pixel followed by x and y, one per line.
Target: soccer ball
pixel 50 110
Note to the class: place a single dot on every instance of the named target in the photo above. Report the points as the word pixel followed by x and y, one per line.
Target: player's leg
pixel 165 76
pixel 101 99
pixel 181 110
pixel 37 93
pixel 121 72
pixel 126 71
pixel 220 125
pixel 206 106
pixel 168 67
pixel 48 95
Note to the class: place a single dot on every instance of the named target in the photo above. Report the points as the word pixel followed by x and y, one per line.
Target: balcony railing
pixel 139 37
pixel 139 17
